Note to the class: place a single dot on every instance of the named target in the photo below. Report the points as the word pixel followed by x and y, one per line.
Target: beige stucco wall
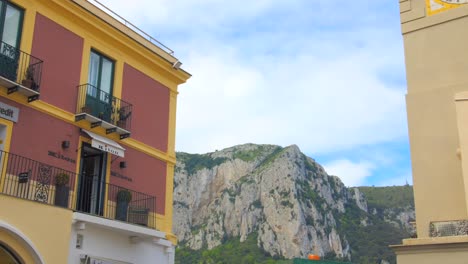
pixel 446 250
pixel 447 257
pixel 436 57
pixel 48 228
pixel 437 175
pixel 437 69
pixel 461 102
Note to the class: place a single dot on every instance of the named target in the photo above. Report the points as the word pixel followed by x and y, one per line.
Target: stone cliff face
pixel 284 197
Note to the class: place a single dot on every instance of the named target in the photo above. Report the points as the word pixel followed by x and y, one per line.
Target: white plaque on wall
pixel 9 112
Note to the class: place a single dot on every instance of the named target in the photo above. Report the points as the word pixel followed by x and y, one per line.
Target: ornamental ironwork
pixel 43 183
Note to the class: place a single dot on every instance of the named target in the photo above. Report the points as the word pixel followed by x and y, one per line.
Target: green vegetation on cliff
pixel 248 156
pixel 388 197
pixel 196 162
pixel 369 235
pixel 230 252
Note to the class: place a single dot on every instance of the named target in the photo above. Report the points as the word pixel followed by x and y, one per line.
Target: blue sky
pixel 325 75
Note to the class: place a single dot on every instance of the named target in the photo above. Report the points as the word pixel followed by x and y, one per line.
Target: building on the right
pixel 435 34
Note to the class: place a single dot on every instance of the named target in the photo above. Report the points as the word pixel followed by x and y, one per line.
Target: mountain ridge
pixel 281 195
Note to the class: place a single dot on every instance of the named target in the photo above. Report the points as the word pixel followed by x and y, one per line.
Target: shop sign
pixel 107 148
pixel 9 112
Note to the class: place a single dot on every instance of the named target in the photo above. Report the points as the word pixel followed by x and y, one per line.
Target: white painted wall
pixel 99 241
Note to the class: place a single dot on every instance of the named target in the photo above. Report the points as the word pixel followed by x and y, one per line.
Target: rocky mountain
pixel 394 205
pixel 284 200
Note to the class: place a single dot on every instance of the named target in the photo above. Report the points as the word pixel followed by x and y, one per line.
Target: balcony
pixel 121 204
pixel 20 72
pixel 36 181
pixel 104 110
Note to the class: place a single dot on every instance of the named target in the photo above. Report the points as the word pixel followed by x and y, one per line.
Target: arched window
pixel 7 257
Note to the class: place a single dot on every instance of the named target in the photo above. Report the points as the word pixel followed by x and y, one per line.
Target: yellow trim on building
pixel 172 124
pixel 85 62
pixel 118 78
pixel 81 140
pixel 7 140
pixel 29 20
pixel 70 118
pixel 108 175
pixel 167 221
pixel 6 147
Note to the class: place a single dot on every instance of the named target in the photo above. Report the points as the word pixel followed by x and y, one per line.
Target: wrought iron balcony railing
pixel 36 181
pixel 101 105
pixel 19 67
pixel 121 204
pixel 32 180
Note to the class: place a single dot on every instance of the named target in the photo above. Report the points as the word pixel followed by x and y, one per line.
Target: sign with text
pixel 121 176
pixel 61 156
pixel 23 177
pixel 107 148
pixel 9 112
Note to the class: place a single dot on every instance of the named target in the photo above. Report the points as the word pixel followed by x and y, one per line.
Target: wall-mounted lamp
pixel 65 144
pixel 123 164
pixel 177 65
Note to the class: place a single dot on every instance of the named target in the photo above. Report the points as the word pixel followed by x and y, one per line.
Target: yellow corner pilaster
pixel 172 123
pixel 6 147
pixel 169 197
pixel 85 62
pixel 29 20
pixel 118 78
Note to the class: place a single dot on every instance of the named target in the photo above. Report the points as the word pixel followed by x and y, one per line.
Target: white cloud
pixel 281 72
pixel 320 104
pixel 350 173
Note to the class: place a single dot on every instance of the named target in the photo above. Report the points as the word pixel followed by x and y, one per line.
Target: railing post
pixel 3 162
pixel 106 199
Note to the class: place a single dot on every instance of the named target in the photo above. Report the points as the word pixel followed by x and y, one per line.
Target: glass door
pixel 91 185
pixel 100 80
pixel 11 20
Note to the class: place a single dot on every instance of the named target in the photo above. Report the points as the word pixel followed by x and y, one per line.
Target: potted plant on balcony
pixel 28 80
pixel 123 115
pixel 124 197
pixel 61 189
pixel 86 109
